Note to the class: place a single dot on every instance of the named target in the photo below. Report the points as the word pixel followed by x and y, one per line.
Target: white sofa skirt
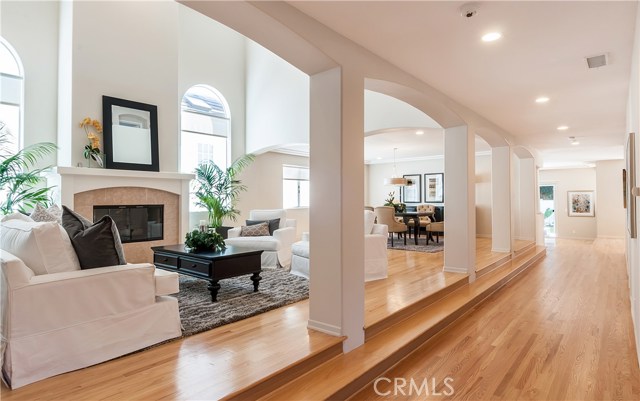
pixel 74 347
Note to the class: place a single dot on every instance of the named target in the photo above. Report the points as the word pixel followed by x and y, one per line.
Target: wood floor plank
pixel 562 331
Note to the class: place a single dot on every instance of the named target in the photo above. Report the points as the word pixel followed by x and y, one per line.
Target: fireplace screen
pixel 135 223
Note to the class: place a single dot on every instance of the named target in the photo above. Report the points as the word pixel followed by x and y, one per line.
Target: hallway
pixel 562 331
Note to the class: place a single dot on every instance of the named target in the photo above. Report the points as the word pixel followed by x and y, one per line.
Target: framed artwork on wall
pixel 130 134
pixel 581 203
pixel 434 188
pixel 412 192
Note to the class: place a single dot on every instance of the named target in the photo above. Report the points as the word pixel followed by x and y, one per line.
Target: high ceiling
pixel 542 53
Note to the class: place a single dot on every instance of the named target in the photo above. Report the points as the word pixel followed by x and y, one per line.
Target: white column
pixel 337 197
pixel 501 199
pixel 460 201
pixel 528 198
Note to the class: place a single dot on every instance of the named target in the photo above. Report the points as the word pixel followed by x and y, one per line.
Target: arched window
pixel 11 89
pixel 205 126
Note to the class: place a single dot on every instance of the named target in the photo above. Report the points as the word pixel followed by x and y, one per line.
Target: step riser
pixel 494 266
pixel 270 384
pixel 524 250
pixel 410 310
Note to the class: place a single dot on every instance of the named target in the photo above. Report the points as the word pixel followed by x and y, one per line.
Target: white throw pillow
pixel 16 216
pixel 369 220
pixel 44 247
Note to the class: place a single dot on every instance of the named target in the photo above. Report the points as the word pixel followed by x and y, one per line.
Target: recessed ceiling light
pixel 575 143
pixel 563 128
pixel 542 99
pixel 573 140
pixel 420 132
pixel 491 36
pixel 378 158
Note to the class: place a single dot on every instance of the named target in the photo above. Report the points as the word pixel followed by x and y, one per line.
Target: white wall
pixel 611 214
pixel 483 196
pixel 277 101
pixel 115 54
pixel 264 181
pixel 32 29
pixel 581 179
pixel 382 111
pixel 212 54
pixel 633 125
pixel 376 192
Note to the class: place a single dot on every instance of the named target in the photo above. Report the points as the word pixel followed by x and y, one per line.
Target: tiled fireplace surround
pixel 81 188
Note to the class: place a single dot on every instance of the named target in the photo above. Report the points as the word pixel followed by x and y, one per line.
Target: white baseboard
pixel 611 236
pixel 455 270
pixel 324 328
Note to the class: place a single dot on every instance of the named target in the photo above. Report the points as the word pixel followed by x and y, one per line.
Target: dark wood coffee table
pixel 212 266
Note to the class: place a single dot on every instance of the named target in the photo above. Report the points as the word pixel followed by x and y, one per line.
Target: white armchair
pixel 276 247
pixel 55 323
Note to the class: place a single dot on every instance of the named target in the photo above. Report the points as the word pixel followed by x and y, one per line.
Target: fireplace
pixel 136 223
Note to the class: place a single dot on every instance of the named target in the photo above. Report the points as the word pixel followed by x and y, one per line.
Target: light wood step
pixel 524 249
pixel 344 375
pixel 376 327
pixel 506 259
pixel 281 377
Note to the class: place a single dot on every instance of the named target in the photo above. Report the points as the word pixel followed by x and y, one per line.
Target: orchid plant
pixel 92 150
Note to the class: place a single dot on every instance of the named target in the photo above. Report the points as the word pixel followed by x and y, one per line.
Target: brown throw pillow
pixel 256 230
pixel 96 244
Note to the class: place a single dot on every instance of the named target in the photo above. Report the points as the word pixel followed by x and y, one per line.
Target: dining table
pixel 415 216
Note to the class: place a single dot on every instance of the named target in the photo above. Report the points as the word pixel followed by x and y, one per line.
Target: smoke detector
pixel 597 61
pixel 468 10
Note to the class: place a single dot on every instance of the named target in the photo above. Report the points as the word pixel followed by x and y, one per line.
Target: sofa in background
pixel 276 247
pixel 375 251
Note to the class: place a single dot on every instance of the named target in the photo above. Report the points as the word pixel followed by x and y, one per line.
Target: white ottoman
pixel 300 257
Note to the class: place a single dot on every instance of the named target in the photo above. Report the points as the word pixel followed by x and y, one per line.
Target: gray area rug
pixel 236 299
pixel 422 246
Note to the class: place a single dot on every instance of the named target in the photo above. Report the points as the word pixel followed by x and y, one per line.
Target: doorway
pixel 548 209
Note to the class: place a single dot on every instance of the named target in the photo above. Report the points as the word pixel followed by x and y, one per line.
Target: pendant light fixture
pixel 395 180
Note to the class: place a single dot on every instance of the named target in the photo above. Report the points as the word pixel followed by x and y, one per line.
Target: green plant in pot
pixel 399 207
pixel 218 189
pixel 198 241
pixel 18 179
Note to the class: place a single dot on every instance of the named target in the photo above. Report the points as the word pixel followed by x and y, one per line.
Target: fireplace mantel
pixel 68 181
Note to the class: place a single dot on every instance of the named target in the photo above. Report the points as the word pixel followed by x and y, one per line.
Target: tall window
pixel 205 125
pixel 295 186
pixel 11 88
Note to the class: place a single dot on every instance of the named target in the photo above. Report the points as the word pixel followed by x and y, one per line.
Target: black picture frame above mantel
pixel 130 135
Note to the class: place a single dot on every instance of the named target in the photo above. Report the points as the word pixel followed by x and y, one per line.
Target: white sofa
pixel 58 320
pixel 375 251
pixel 276 247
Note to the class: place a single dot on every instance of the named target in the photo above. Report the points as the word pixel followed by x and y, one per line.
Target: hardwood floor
pixel 562 331
pixel 568 328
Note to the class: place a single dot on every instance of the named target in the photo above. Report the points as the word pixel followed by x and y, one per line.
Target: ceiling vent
pixel 597 61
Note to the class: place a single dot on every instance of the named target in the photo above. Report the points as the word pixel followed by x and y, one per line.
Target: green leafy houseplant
pixel 399 207
pixel 18 179
pixel 218 190
pixel 199 241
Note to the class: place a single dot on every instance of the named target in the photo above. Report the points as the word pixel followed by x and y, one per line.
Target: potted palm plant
pixel 218 189
pixel 18 179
